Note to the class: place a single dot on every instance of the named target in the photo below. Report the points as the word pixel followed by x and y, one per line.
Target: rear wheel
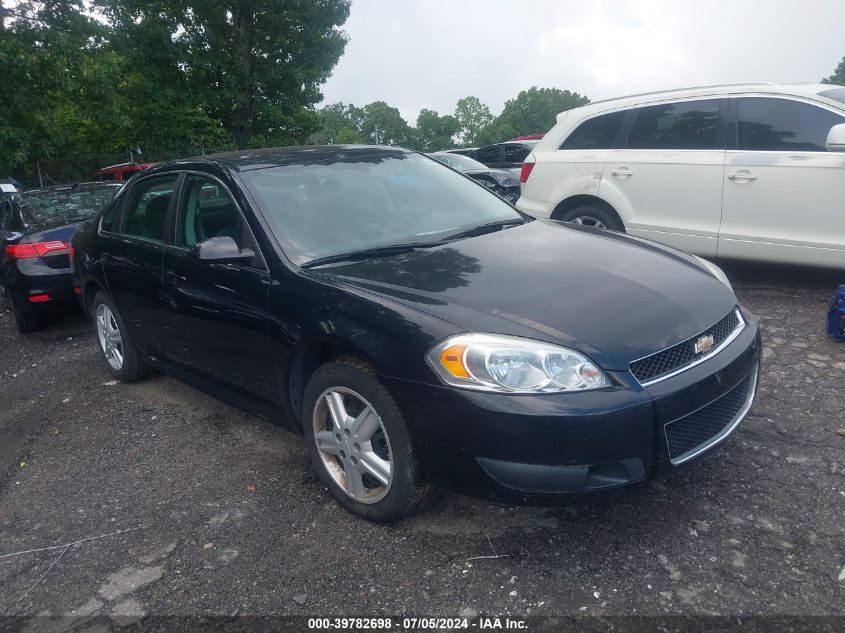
pixel 359 442
pixel 120 353
pixel 24 323
pixel 595 216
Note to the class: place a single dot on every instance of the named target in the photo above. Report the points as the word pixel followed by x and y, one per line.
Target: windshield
pixel 459 162
pixel 69 204
pixel 370 201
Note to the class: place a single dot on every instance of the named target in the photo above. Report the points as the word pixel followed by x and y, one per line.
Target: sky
pixel 417 54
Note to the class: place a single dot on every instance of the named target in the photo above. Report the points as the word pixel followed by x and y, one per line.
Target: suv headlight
pixel 508 364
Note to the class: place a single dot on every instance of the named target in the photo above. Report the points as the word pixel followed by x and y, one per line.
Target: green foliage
pixel 434 132
pixel 838 76
pixel 162 74
pixel 472 117
pixel 392 128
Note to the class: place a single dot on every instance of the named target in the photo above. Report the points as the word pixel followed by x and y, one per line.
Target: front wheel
pixel 120 353
pixel 595 216
pixel 359 442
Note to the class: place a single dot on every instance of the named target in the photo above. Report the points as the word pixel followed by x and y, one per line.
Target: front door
pixel 218 326
pixel 670 174
pixel 784 194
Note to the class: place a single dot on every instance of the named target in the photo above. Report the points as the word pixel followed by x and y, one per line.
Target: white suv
pixel 752 171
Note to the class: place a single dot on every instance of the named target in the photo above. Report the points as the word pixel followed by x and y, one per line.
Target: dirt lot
pixel 231 520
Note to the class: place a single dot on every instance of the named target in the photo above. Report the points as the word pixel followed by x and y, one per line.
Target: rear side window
pixel 686 125
pixel 782 125
pixel 597 133
pixel 146 208
pixel 488 155
pixel 516 153
pixel 5 214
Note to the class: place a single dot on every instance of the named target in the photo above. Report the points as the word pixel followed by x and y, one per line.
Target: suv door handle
pixel 742 174
pixel 622 172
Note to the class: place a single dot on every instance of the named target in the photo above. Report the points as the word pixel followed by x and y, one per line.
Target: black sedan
pixel 503 183
pixel 35 229
pixel 417 329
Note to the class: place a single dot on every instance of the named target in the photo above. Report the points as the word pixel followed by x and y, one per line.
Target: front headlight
pixel 508 364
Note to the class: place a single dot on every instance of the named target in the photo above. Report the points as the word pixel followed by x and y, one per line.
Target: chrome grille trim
pixel 682 368
pixel 729 426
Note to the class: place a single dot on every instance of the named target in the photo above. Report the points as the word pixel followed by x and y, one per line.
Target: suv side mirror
pixel 221 249
pixel 836 138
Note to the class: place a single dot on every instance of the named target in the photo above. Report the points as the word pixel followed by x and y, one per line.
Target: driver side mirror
pixel 836 138
pixel 223 250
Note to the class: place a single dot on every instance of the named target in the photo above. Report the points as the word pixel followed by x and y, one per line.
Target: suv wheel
pixel 359 443
pixel 595 216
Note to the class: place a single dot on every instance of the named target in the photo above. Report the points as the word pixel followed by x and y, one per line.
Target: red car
pixel 529 137
pixel 123 171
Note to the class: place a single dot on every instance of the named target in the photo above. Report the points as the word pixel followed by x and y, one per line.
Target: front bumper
pixel 543 448
pixel 32 278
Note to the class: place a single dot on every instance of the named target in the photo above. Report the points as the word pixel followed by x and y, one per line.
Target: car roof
pixel 249 159
pixel 81 186
pixel 797 90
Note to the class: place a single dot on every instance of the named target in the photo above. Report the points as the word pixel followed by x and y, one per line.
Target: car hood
pixel 614 297
pixel 504 178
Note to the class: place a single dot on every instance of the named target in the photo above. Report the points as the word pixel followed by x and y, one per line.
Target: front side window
pixel 370 201
pixel 146 207
pixel 597 133
pixel 686 125
pixel 782 125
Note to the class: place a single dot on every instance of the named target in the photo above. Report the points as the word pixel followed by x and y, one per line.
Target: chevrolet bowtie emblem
pixel 704 343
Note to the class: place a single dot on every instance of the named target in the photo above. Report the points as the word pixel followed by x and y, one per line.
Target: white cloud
pixel 417 54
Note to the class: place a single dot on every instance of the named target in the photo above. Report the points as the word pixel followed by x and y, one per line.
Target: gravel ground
pixel 227 517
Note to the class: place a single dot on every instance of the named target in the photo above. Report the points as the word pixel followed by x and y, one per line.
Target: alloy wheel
pixel 588 220
pixel 353 444
pixel 108 333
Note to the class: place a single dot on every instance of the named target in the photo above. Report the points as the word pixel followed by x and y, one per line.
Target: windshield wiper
pixel 367 253
pixel 481 229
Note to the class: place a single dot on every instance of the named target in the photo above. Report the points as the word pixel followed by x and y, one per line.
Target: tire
pixel 25 324
pixel 119 352
pixel 382 433
pixel 594 215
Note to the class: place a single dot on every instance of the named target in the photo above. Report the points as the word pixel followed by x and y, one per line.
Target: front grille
pixel 653 367
pixel 700 427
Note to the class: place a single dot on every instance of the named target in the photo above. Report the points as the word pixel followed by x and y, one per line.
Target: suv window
pixel 596 133
pixel 516 153
pixel 206 211
pixel 686 125
pixel 488 155
pixel 782 125
pixel 146 208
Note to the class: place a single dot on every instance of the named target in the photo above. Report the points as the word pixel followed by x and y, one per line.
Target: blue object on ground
pixel 836 316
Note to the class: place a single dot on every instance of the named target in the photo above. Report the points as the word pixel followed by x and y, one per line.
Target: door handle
pixel 622 172
pixel 742 174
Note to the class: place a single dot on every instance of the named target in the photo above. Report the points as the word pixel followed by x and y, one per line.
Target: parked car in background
pixel 463 151
pixel 508 155
pixel 505 184
pixel 121 172
pixel 416 328
pixel 751 171
pixel 35 230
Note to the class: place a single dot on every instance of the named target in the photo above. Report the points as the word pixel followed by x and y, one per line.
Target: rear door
pixel 217 324
pixel 133 253
pixel 667 182
pixel 784 193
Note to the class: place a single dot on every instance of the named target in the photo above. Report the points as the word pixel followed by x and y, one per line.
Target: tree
pixel 838 77
pixel 254 66
pixel 392 128
pixel 534 111
pixel 434 132
pixel 340 120
pixel 472 117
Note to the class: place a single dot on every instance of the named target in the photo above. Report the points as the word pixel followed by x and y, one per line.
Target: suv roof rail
pixel 672 90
